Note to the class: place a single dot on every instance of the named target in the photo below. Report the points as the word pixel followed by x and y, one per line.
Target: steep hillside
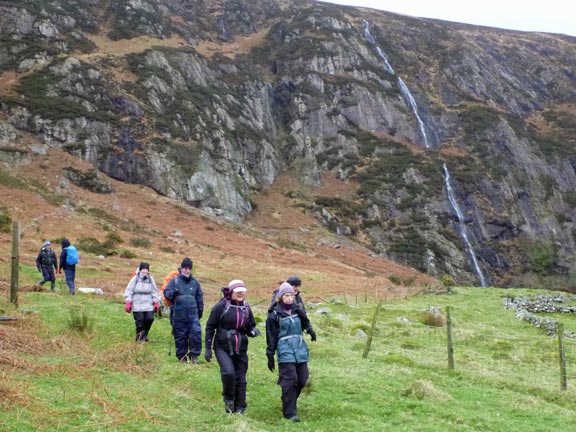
pixel 47 201
pixel 456 141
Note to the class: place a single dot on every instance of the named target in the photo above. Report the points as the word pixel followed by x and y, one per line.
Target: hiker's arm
pixel 129 291
pixel 253 331
pixel 211 325
pixel 156 296
pixel 171 292
pixel 272 330
pixel 200 301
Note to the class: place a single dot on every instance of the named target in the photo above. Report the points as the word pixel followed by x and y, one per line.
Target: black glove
pixel 271 365
pixel 208 355
pixel 255 332
pixel 312 334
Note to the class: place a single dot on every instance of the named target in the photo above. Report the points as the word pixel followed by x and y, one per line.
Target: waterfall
pixel 463 230
pixel 421 127
pixel 403 87
pixel 412 102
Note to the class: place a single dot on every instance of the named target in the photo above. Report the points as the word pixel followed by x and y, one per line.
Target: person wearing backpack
pixel 47 264
pixel 142 298
pixel 284 337
pixel 186 308
pixel 68 260
pixel 296 283
pixel 229 325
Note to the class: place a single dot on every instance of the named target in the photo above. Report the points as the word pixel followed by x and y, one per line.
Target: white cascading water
pixel 449 191
pixel 403 87
pixel 412 102
pixel 463 230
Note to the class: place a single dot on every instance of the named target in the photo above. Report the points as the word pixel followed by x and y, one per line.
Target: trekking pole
pixel 170 343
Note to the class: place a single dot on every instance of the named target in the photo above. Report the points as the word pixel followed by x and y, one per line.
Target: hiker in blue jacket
pixel 230 324
pixel 69 269
pixel 284 336
pixel 187 306
pixel 47 264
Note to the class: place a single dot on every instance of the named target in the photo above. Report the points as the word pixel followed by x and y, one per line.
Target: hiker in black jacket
pixel 186 309
pixel 230 324
pixel 47 264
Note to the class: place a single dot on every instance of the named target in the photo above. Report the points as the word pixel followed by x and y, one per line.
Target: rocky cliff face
pixel 208 101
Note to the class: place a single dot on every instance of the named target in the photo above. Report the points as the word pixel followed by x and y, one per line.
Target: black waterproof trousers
pixel 292 379
pixel 143 322
pixel 233 369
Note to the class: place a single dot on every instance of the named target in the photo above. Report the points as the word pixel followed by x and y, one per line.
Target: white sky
pixel 551 16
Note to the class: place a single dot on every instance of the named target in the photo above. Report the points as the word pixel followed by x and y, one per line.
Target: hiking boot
pixel 241 411
pixel 295 419
pixel 183 360
pixel 229 406
pixel 194 360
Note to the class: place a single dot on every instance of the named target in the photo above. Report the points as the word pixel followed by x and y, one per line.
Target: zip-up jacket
pixel 229 325
pixel 186 298
pixel 142 292
pixel 284 334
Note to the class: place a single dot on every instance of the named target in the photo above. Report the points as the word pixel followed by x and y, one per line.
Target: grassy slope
pixel 506 376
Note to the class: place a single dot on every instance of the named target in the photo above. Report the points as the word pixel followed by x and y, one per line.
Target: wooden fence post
pixel 15 263
pixel 450 346
pixel 372 328
pixel 563 380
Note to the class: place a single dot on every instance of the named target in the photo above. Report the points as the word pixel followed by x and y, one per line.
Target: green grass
pixel 506 374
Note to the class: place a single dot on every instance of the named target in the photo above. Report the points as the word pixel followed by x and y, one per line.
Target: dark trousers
pixel 48 275
pixel 143 322
pixel 292 379
pixel 187 338
pixel 70 275
pixel 233 369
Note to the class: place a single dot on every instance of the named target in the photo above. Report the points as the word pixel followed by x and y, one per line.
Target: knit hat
pixel 186 263
pixel 237 286
pixel 294 281
pixel 285 288
pixel 144 265
pixel 47 243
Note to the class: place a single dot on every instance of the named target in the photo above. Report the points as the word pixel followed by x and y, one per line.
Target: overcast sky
pixel 551 16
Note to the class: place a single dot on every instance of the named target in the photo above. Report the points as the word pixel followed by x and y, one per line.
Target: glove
pixel 255 332
pixel 156 307
pixel 128 307
pixel 271 365
pixel 312 334
pixel 59 271
pixel 208 355
pixel 39 269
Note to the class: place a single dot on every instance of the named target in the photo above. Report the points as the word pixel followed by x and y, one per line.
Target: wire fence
pixel 542 361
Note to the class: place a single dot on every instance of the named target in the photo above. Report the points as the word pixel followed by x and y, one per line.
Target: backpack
pixel 72 255
pixel 167 279
pixel 46 259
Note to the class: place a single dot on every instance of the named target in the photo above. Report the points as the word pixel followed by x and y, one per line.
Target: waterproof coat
pixel 142 292
pixel 186 298
pixel 46 259
pixel 229 325
pixel 284 334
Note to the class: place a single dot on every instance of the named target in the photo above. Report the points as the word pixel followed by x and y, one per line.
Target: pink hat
pixel 237 286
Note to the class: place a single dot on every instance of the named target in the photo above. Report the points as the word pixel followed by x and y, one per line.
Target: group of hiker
pixel 47 264
pixel 229 325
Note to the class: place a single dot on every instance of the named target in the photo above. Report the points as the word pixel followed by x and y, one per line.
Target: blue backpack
pixel 72 255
